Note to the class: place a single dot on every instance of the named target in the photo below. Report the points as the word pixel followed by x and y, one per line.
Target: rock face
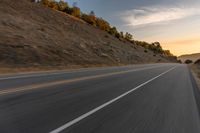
pixel 192 57
pixel 32 34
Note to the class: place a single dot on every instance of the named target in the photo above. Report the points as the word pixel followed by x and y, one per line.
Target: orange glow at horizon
pixel 181 47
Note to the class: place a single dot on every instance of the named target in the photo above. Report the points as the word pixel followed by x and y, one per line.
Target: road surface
pixel 154 98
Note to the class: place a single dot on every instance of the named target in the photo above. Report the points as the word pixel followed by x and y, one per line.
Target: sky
pixel 174 23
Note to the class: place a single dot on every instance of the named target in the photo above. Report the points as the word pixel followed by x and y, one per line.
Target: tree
pixel 117 35
pixel 89 19
pixel 102 24
pixel 156 47
pixel 62 5
pixel 92 18
pixel 53 5
pixel 74 11
pixel 128 36
pixel 122 34
pixel 112 30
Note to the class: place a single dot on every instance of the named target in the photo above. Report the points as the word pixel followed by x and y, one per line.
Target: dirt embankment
pixel 196 72
pixel 33 36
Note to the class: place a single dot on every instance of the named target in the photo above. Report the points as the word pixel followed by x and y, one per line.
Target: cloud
pixel 155 15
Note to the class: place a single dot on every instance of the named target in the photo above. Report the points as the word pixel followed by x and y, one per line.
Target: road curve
pixel 155 98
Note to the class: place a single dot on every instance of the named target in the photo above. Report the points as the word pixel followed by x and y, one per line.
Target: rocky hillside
pixel 193 57
pixel 34 35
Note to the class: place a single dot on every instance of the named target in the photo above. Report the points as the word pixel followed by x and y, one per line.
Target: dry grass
pixel 11 70
pixel 196 73
pixel 33 37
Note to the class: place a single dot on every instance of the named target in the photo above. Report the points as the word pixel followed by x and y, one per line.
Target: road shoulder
pixel 196 73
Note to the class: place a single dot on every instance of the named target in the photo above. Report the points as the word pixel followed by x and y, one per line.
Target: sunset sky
pixel 174 23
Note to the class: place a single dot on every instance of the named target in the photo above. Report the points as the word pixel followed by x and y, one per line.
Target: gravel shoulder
pixel 196 73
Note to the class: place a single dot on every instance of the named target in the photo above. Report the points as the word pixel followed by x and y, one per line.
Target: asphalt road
pixel 154 98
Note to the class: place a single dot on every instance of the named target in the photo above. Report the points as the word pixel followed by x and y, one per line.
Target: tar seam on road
pixel 70 123
pixel 43 85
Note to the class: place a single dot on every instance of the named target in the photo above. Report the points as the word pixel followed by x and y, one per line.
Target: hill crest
pixel 34 35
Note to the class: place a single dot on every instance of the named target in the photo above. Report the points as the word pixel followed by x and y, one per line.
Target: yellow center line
pixel 44 85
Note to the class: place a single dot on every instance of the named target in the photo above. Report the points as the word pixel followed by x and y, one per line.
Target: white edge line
pixel 61 128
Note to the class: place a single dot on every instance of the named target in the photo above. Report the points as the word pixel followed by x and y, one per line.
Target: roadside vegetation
pixel 197 65
pixel 188 61
pixel 102 24
pixel 197 62
pixel 196 71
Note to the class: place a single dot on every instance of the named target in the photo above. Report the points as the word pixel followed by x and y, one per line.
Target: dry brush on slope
pixel 196 72
pixel 34 35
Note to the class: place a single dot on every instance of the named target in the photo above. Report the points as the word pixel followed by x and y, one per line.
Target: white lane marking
pixel 55 73
pixel 63 127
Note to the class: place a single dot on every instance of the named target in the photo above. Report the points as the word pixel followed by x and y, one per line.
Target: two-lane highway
pixel 156 98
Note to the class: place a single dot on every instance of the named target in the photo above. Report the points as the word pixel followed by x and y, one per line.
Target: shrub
pixel 188 61
pixel 197 62
pixel 112 31
pixel 62 5
pixel 74 11
pixel 89 19
pixel 53 5
pixel 128 36
pixel 102 24
pixel 117 35
pixel 179 61
pixel 122 34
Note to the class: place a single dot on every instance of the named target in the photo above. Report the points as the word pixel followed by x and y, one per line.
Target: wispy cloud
pixel 155 15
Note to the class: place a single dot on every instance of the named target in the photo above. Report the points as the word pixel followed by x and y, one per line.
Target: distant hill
pixel 34 35
pixel 193 57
